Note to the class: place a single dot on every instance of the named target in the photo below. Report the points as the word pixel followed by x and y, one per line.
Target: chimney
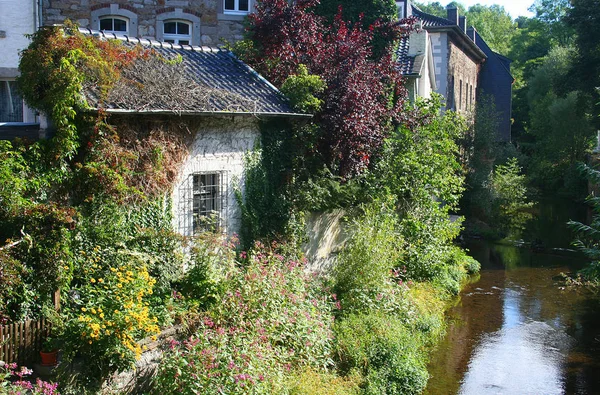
pixel 462 22
pixel 452 13
pixel 472 33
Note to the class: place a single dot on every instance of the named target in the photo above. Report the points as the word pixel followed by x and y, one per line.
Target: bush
pixel 272 318
pixel 388 356
pixel 106 312
pixel 310 382
pixel 363 273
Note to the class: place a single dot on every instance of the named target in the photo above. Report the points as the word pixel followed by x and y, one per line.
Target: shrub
pixel 106 312
pixel 272 318
pixel 309 382
pixel 388 356
pixel 363 271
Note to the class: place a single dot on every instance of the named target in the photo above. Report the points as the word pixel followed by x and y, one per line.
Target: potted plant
pixel 49 352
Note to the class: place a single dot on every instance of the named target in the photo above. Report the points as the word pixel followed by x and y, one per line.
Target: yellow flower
pixel 101 315
pixel 90 342
pixel 92 280
pixel 93 310
pixel 119 286
pixel 83 309
pixel 100 280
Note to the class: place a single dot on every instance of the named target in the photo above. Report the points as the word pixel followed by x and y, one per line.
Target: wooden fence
pixel 21 342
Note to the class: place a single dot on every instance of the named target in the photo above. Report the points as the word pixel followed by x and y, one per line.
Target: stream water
pixel 517 329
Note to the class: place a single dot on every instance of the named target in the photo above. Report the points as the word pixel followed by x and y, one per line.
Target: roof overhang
pixel 119 111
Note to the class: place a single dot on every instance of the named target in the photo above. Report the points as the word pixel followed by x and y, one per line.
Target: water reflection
pixel 518 331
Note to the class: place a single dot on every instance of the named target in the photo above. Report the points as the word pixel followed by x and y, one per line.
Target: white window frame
pixel 6 84
pixel 203 207
pixel 236 8
pixel 113 17
pixel 176 37
pixel 115 11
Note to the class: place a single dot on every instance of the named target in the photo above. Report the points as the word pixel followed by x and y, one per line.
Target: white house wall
pixel 17 18
pixel 439 44
pixel 219 146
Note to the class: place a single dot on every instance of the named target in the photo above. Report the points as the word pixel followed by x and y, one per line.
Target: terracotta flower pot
pixel 49 358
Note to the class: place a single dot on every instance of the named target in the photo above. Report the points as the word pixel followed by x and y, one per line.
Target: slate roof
pixel 429 20
pixel 404 62
pixel 214 82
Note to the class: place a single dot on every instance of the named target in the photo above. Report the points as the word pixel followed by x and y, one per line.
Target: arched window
pixel 113 24
pixel 178 27
pixel 177 32
pixel 115 18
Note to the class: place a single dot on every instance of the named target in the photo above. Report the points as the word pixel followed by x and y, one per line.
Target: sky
pixel 515 8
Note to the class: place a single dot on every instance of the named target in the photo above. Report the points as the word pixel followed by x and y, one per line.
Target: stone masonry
pixel 462 79
pixel 210 24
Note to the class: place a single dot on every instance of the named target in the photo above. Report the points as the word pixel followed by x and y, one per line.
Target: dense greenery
pixel 89 209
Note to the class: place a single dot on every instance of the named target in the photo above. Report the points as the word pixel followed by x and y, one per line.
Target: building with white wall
pixel 18 18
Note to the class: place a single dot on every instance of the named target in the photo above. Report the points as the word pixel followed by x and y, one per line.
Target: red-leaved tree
pixel 363 95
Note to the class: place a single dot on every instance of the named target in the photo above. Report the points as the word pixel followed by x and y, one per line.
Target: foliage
pixel 272 317
pixel 389 358
pixel 357 109
pixel 309 381
pixel 363 275
pixel 21 385
pixel 552 112
pixel 552 13
pixel 588 236
pixel 583 17
pixel 301 89
pixel 420 169
pixel 106 311
pixel 510 196
pixel 11 286
pixel 494 24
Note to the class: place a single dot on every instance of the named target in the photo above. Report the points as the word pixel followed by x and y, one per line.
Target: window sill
pixel 232 16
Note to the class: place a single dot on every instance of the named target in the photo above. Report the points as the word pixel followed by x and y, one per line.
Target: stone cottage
pixel 222 102
pixel 185 22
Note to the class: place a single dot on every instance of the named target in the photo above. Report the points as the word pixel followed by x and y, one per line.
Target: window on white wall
pixel 236 6
pixel 11 102
pixel 111 24
pixel 177 32
pixel 203 203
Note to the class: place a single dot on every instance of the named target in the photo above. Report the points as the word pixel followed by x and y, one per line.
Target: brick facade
pixel 210 24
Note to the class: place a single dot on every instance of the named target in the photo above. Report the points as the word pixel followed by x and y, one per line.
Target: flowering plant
pixel 13 382
pixel 108 310
pixel 271 319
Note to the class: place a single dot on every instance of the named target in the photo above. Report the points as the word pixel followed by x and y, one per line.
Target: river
pixel 516 328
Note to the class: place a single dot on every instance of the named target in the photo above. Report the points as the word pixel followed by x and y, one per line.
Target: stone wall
pixel 210 25
pixel 326 235
pixel 462 80
pixel 218 147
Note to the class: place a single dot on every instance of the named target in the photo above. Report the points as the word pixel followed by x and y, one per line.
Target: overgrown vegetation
pixel 89 209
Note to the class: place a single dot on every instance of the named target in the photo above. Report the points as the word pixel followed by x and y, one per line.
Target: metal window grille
pixel 203 201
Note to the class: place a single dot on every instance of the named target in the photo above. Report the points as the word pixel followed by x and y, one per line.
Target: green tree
pixel 552 13
pixel 584 18
pixel 494 24
pixel 559 126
